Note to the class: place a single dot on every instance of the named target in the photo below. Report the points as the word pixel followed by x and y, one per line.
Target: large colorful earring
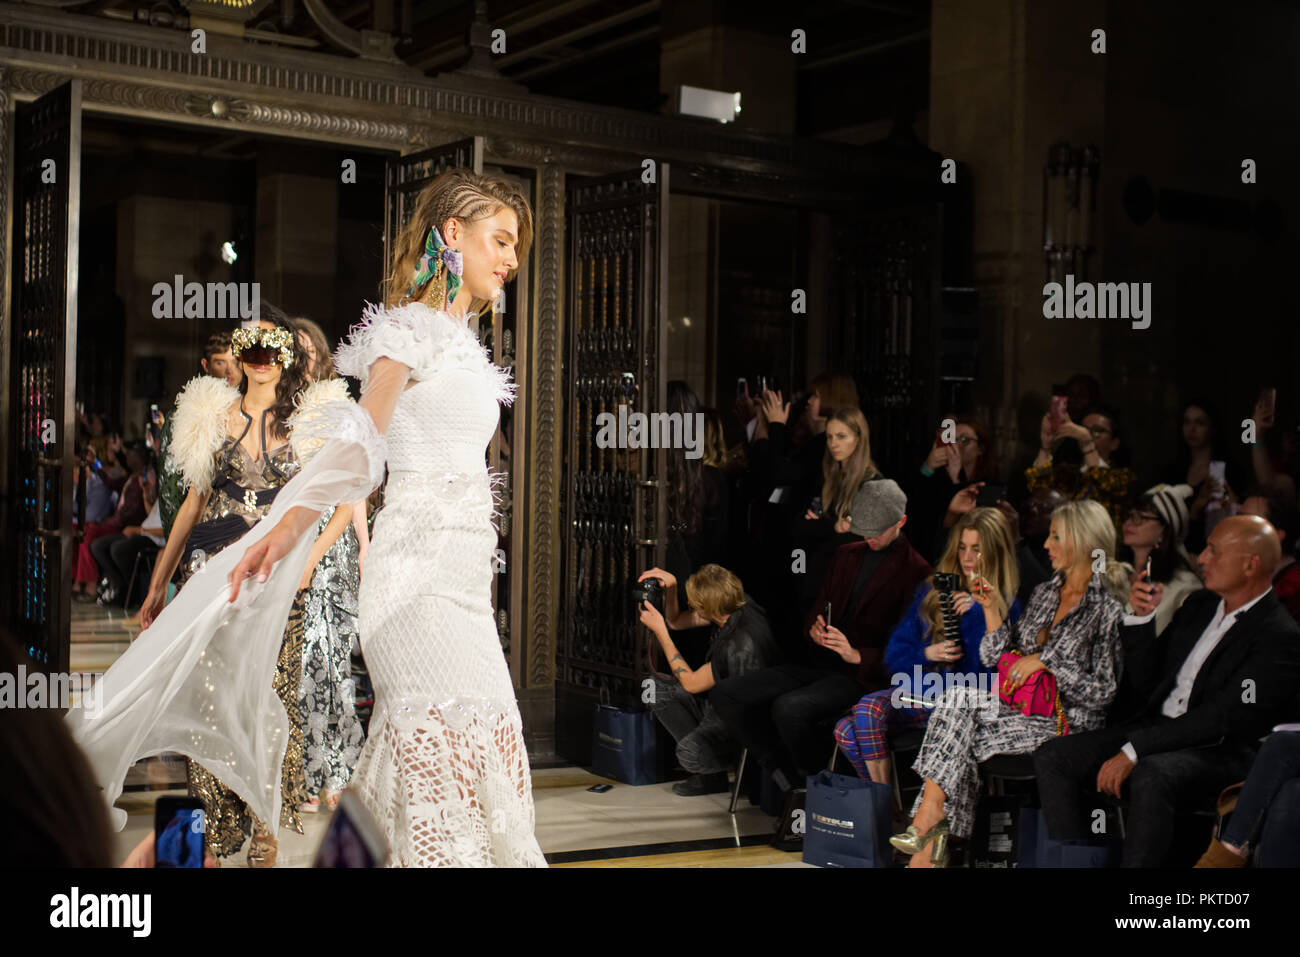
pixel 438 261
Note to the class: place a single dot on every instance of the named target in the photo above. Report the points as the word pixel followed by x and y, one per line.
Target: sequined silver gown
pixel 332 729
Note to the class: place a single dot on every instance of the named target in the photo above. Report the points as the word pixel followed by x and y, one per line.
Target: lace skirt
pixel 444 769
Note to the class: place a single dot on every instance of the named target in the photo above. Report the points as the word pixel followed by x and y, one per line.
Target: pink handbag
pixel 1037 696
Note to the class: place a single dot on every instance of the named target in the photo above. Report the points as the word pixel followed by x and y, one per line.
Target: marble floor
pixel 647 826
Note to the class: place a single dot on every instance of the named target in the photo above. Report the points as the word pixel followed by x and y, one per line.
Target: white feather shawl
pixel 199 428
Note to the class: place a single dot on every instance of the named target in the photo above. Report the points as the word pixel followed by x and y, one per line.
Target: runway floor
pixel 647 826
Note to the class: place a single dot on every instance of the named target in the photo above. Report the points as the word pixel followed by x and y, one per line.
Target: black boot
pixel 698 784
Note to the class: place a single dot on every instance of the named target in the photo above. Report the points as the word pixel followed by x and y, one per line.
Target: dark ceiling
pixel 867 60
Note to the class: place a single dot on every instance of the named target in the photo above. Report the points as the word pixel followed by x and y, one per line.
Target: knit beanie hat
pixel 1170 503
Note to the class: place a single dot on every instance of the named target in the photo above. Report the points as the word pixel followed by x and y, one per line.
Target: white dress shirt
pixel 1175 704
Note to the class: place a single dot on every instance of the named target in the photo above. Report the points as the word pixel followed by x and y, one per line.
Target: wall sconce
pixel 1069 205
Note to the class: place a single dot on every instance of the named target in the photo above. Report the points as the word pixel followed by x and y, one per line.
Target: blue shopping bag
pixel 847 822
pixel 623 745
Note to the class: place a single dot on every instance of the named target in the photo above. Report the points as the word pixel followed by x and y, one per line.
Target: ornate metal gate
pixel 889 268
pixel 615 509
pixel 42 347
pixel 498 329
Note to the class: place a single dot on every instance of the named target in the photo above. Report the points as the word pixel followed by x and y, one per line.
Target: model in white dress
pixel 444 769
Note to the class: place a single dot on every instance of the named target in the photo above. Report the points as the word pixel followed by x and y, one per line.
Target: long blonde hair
pixel 1086 527
pixel 455 194
pixel 997 564
pixel 841 480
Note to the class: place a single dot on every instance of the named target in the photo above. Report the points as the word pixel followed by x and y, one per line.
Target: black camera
pixel 945 583
pixel 650 590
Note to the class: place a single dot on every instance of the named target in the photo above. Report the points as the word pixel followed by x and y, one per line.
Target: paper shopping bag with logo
pixel 847 821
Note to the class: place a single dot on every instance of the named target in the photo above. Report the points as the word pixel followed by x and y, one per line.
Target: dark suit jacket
pixel 1258 660
pixel 878 609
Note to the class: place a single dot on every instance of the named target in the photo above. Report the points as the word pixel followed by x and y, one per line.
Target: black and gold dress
pixel 243 489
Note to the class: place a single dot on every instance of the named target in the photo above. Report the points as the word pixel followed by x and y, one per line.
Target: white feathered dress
pixel 444 768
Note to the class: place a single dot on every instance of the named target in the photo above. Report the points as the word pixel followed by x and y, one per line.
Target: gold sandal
pixel 262 850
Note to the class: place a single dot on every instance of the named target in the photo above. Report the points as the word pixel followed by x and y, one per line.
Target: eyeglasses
pixel 1097 431
pixel 1138 518
pixel 966 439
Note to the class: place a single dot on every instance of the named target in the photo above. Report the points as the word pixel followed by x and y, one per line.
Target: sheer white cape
pixel 198 680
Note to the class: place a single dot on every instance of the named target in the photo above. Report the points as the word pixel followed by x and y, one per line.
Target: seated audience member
pixel 1279 508
pixel 1100 477
pixel 784 715
pixel 1198 728
pixel 742 644
pixel 116 555
pixel 979 550
pixel 946 469
pixel 1203 438
pixel 1154 530
pixel 1030 572
pixel 131 510
pixel 1277 766
pixel 1069 629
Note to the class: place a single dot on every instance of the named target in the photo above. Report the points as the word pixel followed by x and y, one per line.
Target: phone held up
pixel 178 826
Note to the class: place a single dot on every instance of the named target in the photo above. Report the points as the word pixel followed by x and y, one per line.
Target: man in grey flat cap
pixel 784 715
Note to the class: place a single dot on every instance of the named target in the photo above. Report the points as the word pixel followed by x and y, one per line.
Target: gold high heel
pixel 912 841
pixel 262 849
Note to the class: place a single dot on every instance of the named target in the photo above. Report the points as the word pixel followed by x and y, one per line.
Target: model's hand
pixel 151 608
pixel 261 557
pixel 837 642
pixel 1113 774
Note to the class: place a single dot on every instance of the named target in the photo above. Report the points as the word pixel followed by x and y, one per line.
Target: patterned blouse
pixel 1083 649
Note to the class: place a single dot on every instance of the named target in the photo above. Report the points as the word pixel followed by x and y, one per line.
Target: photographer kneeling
pixel 743 643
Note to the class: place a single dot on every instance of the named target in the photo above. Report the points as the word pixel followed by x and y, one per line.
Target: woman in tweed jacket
pixel 1070 628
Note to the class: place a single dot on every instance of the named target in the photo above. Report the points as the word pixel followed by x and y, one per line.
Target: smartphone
pixel 1148 579
pixel 742 387
pixel 990 495
pixel 938 439
pixel 353 839
pixel 600 788
pixel 826 614
pixel 1060 405
pixel 1218 471
pixel 815 506
pixel 178 827
pixel 762 384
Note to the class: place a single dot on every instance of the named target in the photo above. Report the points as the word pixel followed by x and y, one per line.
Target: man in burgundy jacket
pixel 784 715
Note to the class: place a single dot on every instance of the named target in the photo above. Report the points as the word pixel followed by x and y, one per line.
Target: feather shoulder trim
pixel 427 340
pixel 199 429
pixel 307 406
